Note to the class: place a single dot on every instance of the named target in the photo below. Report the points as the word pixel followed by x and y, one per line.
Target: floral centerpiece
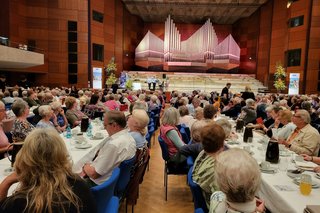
pixel 280 77
pixel 110 72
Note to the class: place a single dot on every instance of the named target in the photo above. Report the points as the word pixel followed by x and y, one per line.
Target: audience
pixel 4 142
pixel 73 115
pixel 304 139
pixel 137 124
pixel 212 138
pixel 119 146
pixel 46 181
pixel 239 179
pixel 21 127
pixel 62 121
pixel 172 137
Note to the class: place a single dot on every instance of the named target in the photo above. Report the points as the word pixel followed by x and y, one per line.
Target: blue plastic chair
pixel 198 199
pixel 198 210
pixel 104 194
pixel 126 168
pixel 185 133
pixel 190 161
pixel 167 169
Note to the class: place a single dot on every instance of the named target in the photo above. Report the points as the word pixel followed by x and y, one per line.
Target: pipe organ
pixel 200 48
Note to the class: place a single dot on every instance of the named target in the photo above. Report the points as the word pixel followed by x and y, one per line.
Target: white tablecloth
pixel 275 200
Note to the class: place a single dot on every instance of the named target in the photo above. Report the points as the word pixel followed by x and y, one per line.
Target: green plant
pixel 129 84
pixel 111 79
pixel 111 67
pixel 280 77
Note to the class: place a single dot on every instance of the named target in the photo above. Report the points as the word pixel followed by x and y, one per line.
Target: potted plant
pixel 110 72
pixel 279 77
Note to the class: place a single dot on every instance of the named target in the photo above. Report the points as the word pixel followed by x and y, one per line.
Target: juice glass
pixel 305 184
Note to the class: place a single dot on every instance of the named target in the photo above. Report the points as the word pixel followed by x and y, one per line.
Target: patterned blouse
pixel 21 129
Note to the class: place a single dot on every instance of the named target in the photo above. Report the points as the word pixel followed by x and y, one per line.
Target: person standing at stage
pixel 149 81
pixel 154 82
pixel 225 92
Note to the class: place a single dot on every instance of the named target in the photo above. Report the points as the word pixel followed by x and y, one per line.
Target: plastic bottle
pixel 68 135
pixel 89 130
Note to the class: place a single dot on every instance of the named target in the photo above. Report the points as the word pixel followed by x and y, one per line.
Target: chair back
pixel 104 192
pixel 185 133
pixel 198 199
pixel 164 149
pixel 126 168
pixel 142 159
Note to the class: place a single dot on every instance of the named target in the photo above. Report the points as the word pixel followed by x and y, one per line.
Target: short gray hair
pixel 170 116
pixel 196 129
pixel 55 105
pixel 15 94
pixel 305 116
pixel 19 107
pixel 250 102
pixel 238 177
pixel 44 110
pixel 226 126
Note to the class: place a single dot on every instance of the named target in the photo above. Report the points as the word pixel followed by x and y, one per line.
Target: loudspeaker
pixel 164 75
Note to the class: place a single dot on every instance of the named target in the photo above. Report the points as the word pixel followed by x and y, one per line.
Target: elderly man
pixel 119 146
pixel 304 139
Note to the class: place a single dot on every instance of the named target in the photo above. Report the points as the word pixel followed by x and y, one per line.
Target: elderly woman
pixel 239 179
pixel 195 147
pixel 248 112
pixel 61 117
pixel 46 181
pixel 47 114
pixel 137 123
pixel 185 118
pixel 171 135
pixel 212 138
pixel 73 115
pixel 4 142
pixel 92 110
pixel 287 128
pixel 21 127
pixel 153 103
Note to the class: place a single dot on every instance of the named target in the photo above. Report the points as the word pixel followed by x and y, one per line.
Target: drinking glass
pixel 283 165
pixel 305 184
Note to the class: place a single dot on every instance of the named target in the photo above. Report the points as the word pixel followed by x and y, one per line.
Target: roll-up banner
pixel 294 84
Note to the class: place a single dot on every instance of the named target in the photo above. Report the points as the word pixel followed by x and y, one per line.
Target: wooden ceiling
pixel 193 11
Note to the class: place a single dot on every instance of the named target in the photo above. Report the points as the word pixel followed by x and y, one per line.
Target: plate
pixel 284 153
pixel 314 184
pixel 296 173
pixel 83 146
pixel 270 170
pixel 96 138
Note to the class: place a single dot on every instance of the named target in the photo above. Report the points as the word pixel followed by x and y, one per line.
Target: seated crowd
pixel 291 120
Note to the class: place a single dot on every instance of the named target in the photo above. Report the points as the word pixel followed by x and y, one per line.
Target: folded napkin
pixel 306 164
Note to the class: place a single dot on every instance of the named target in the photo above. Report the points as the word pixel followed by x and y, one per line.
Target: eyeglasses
pixel 297 116
pixel 105 126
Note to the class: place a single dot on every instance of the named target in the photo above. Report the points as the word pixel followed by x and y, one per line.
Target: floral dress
pixel 20 130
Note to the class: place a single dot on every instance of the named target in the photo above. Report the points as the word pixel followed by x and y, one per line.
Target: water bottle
pixel 89 130
pixel 68 135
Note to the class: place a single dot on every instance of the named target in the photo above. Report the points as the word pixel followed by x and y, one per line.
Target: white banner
pixel 294 84
pixel 97 78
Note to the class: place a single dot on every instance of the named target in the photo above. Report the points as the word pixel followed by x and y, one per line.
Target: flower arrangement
pixel 111 79
pixel 280 77
pixel 129 84
pixel 111 67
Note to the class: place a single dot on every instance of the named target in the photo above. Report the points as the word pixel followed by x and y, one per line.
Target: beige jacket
pixel 306 142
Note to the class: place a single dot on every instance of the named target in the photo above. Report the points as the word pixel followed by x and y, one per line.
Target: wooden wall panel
pixel 246 34
pixel 313 69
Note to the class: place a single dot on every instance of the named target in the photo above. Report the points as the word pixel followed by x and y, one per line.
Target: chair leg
pixel 166 177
